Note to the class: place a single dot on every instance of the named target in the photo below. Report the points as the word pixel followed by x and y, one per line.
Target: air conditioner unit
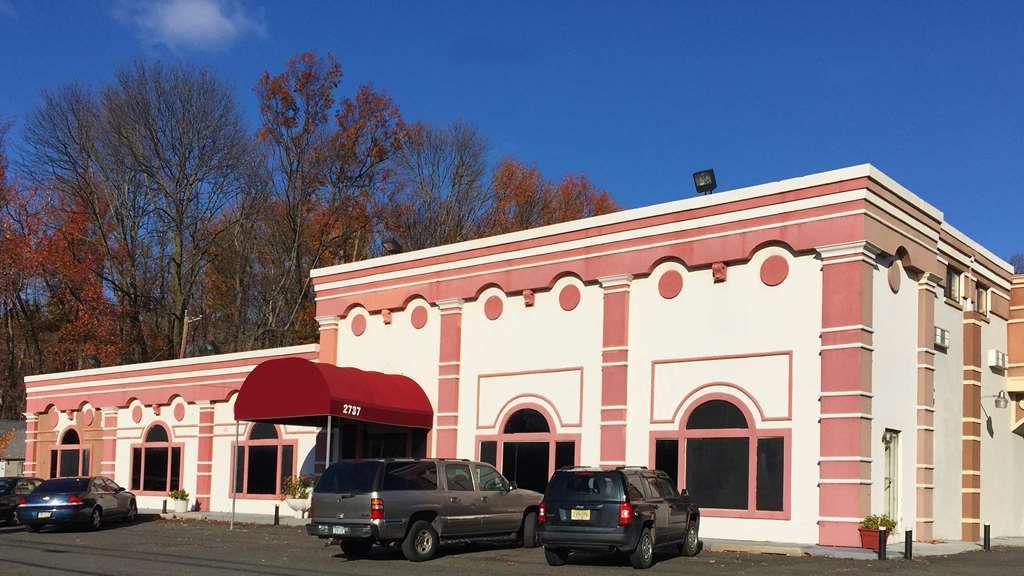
pixel 941 337
pixel 997 359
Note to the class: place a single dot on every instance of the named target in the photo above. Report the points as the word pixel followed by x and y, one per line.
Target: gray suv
pixel 419 503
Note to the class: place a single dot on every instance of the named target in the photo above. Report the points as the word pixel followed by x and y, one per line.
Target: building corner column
pixel 328 338
pixel 204 458
pixel 31 430
pixel 1015 352
pixel 927 294
pixel 108 422
pixel 845 422
pixel 970 491
pixel 614 368
pixel 446 416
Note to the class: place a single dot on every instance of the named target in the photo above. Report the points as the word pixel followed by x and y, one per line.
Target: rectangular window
pixel 69 462
pixel 489 452
pixel 136 482
pixel 771 464
pixel 175 482
pixel 981 299
pixel 261 470
pixel 952 289
pixel 239 469
pixel 85 462
pixel 349 436
pixel 458 477
pixel 718 472
pixel 287 457
pixel 54 456
pixel 565 454
pixel 154 470
pixel 410 476
pixel 666 457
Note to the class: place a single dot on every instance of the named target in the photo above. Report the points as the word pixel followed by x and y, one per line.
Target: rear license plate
pixel 43 515
pixel 579 515
pixel 339 529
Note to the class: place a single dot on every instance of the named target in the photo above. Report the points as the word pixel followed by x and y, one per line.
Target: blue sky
pixel 636 94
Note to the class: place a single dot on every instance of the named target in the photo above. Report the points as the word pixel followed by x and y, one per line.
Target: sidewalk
pixel 287 517
pixel 895 550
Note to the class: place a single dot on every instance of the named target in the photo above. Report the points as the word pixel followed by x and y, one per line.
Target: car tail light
pixel 542 513
pixel 376 509
pixel 22 501
pixel 73 499
pixel 625 513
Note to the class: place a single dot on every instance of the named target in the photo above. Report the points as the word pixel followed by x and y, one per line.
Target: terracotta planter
pixel 869 538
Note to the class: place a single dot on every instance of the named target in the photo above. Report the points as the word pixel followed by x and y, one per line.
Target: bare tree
pixel 1017 261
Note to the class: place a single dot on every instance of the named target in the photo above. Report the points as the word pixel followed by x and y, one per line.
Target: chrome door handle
pixel 483 498
pixel 453 499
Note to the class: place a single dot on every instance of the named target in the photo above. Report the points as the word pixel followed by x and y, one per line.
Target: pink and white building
pixel 798 354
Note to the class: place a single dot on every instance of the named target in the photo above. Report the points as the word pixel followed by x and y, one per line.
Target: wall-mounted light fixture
pixel 704 181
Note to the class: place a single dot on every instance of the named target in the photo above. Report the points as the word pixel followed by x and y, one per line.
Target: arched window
pixel 156 462
pixel 69 458
pixel 730 466
pixel 527 451
pixel 263 461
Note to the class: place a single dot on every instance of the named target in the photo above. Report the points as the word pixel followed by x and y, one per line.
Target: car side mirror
pixel 686 493
pixel 512 486
pixel 119 489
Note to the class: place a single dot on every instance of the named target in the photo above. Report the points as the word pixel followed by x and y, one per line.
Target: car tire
pixel 691 544
pixel 356 548
pixel 421 542
pixel 133 511
pixel 642 557
pixel 13 520
pixel 33 527
pixel 529 531
pixel 555 556
pixel 96 519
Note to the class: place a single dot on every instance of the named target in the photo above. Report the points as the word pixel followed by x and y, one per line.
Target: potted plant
pixel 295 492
pixel 869 529
pixel 180 498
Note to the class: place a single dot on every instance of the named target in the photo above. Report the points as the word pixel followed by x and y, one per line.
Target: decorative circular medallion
pixel 774 270
pixel 137 414
pixel 895 275
pixel 179 411
pixel 87 417
pixel 359 325
pixel 418 317
pixel 54 416
pixel 493 307
pixel 569 297
pixel 670 284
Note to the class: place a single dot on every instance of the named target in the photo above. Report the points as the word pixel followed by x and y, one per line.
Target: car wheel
pixel 691 544
pixel 643 556
pixel 356 548
pixel 555 556
pixel 33 527
pixel 96 519
pixel 133 511
pixel 421 542
pixel 530 530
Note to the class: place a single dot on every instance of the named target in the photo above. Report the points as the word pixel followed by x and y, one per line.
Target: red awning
pixel 297 391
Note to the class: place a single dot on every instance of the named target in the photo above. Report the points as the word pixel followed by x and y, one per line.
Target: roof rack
pixel 631 468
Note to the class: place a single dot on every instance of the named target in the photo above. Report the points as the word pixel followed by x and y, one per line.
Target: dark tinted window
pixel 717 472
pixel 716 414
pixel 136 480
pixel 70 437
pixel 771 460
pixel 6 485
pixel 64 485
pixel 410 476
pixel 351 477
pixel 263 431
pixel 585 486
pixel 261 469
pixel 526 421
pixel 667 488
pixel 565 454
pixel 458 477
pixel 635 490
pixel 156 434
pixel 69 462
pixel 154 472
pixel 666 457
pixel 488 479
pixel 489 452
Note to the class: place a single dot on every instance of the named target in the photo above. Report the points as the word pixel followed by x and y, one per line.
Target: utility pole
pixel 184 331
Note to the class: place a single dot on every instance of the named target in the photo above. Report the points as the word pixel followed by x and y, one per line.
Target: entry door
pixel 891 447
pixel 526 464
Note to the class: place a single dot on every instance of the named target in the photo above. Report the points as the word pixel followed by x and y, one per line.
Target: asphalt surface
pixel 153 546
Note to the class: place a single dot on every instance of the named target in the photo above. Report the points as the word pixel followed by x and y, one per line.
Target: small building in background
pixel 12 447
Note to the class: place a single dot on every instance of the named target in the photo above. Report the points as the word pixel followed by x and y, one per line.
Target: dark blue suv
pixel 631 510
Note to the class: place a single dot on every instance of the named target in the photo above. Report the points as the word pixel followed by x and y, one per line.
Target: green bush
pixel 876 521
pixel 179 495
pixel 296 487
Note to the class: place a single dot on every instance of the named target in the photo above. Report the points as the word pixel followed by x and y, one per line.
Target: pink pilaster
pixel 204 462
pixel 448 371
pixel 927 292
pixel 614 368
pixel 328 338
pixel 108 459
pixel 844 466
pixel 31 430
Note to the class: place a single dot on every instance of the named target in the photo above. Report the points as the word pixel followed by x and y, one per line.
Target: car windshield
pixel 349 477
pixel 585 486
pixel 63 486
pixel 7 484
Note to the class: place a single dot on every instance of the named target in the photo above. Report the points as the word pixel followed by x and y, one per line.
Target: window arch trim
pixel 244 446
pixel 80 449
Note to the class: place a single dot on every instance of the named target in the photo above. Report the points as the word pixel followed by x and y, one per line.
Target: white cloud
pixel 199 24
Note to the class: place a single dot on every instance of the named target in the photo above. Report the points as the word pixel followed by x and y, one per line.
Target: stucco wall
pixel 1002 451
pixel 948 429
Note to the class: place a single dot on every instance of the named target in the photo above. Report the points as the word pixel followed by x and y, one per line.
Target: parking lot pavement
pixel 154 546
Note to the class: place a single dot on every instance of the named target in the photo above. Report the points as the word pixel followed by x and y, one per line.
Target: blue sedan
pixel 80 501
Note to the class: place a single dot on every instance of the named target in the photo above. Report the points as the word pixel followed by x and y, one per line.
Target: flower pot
pixel 869 538
pixel 299 505
pixel 180 506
